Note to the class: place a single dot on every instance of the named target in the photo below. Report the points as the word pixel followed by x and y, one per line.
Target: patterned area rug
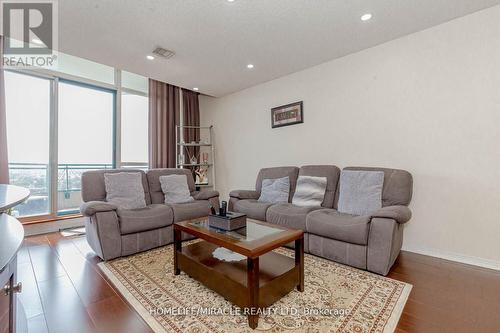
pixel 337 298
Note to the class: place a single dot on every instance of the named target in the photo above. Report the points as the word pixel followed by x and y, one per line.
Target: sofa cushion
pixel 332 174
pixel 398 186
pixel 153 179
pixel 360 192
pixel 278 172
pixel 289 215
pixel 125 190
pixel 175 188
pixel 253 208
pixel 151 217
pixel 93 188
pixel 343 227
pixel 275 190
pixel 190 210
pixel 310 191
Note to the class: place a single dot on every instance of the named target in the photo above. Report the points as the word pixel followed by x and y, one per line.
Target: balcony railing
pixel 36 177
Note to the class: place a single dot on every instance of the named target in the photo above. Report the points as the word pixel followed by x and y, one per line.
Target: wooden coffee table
pixel 251 284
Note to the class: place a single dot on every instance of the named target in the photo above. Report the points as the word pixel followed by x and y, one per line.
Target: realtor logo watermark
pixel 30 33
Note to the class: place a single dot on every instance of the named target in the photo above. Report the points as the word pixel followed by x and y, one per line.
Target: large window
pixel 134 130
pixel 60 125
pixel 85 138
pixel 28 139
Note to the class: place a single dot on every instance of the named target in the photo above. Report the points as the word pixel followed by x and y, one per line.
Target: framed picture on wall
pixel 286 115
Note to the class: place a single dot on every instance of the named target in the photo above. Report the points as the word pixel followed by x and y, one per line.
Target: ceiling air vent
pixel 164 53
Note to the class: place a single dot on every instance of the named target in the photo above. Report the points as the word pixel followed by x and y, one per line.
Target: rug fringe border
pixel 393 320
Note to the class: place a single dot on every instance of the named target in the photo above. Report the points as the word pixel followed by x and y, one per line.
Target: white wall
pixel 428 103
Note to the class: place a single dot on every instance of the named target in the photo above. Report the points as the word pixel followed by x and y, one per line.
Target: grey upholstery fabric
pixel 384 244
pixel 367 242
pixel 92 207
pixel 175 189
pixel 93 188
pixel 338 251
pixel 275 190
pixel 310 191
pixel 342 227
pixel 291 245
pixel 103 234
pixel 214 201
pixel 124 189
pixel 153 177
pixel 289 215
pixel 332 174
pixel 398 186
pixel 112 236
pixel 360 192
pixel 152 217
pixel 244 194
pixel 252 208
pixel 204 195
pixel 400 214
pixel 278 172
pixel 189 210
pixel 143 241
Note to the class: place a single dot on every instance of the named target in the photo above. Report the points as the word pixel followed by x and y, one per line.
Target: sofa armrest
pixel 400 214
pixel 103 234
pixel 92 207
pixel 244 194
pixel 205 195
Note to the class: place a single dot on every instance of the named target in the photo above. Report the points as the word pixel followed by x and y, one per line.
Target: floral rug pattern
pixel 337 298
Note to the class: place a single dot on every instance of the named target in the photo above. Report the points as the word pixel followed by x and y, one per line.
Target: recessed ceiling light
pixel 366 17
pixel 230 0
pixel 250 66
pixel 150 57
pixel 37 41
pixel 196 89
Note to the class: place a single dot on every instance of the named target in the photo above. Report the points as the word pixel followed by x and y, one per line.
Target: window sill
pixel 46 218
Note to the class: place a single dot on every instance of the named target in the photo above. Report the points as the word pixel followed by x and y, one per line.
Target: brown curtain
pixel 4 164
pixel 191 116
pixel 164 114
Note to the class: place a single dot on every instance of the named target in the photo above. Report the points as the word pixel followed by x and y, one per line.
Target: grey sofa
pixel 366 242
pixel 113 232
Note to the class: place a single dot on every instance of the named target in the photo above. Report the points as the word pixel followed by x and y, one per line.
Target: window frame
pixel 55 78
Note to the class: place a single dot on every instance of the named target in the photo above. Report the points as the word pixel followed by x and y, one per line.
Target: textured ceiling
pixel 214 40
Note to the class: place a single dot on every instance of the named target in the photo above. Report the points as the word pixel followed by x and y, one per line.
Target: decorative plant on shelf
pixel 201 176
pixel 193 159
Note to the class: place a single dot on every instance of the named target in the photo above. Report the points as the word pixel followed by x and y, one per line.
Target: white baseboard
pixel 464 259
pixel 44 228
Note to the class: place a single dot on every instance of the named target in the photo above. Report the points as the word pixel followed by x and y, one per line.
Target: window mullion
pixel 118 119
pixel 53 149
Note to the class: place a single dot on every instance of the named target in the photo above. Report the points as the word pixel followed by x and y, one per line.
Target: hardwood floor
pixel 64 291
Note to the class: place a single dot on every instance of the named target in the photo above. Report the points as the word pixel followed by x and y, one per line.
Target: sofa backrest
pixel 398 186
pixel 93 188
pixel 153 176
pixel 332 174
pixel 278 172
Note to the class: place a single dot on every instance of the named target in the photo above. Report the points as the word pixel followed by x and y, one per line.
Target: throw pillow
pixel 275 190
pixel 125 190
pixel 310 191
pixel 360 192
pixel 176 189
